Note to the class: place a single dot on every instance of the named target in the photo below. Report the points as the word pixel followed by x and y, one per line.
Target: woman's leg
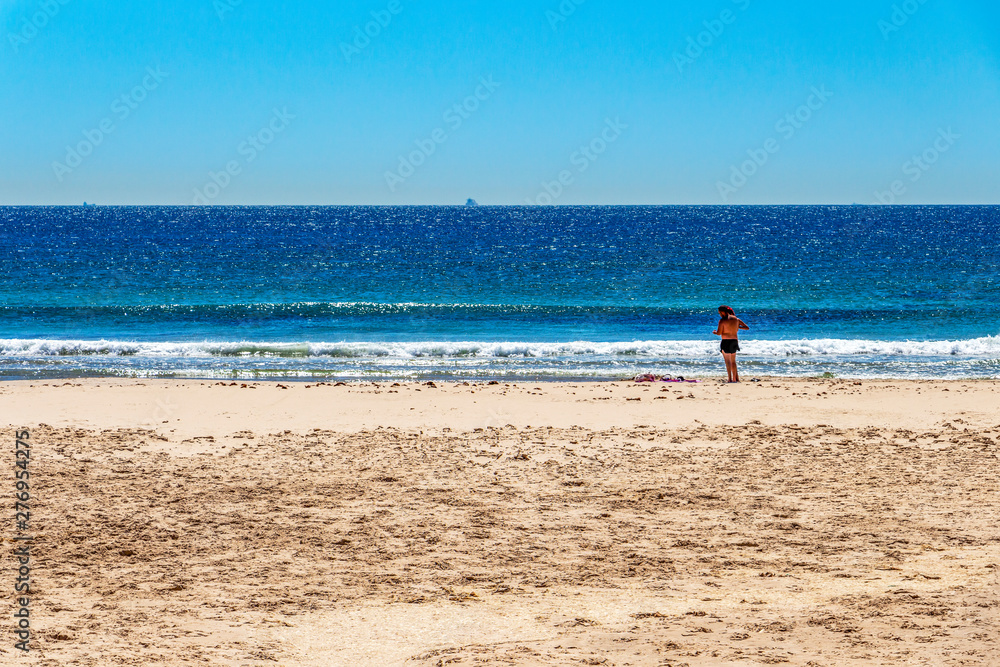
pixel 736 373
pixel 730 365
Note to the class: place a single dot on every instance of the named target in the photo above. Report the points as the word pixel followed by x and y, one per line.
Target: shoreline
pixel 483 381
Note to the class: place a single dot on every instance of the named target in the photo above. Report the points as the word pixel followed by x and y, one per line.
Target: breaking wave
pixel 988 347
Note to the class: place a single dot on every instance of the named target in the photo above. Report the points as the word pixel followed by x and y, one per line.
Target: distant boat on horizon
pixel 471 202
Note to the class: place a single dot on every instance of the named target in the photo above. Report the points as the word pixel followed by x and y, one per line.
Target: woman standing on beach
pixel 729 328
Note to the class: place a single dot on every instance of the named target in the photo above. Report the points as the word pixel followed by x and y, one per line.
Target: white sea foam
pixel 988 348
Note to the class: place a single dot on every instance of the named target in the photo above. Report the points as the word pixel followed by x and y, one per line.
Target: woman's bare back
pixel 729 328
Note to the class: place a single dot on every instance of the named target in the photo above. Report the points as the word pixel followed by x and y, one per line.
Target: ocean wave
pixel 988 347
pixel 374 308
pixel 361 307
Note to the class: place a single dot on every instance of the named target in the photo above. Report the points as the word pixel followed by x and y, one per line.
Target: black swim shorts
pixel 730 346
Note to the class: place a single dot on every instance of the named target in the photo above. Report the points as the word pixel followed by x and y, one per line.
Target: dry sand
pixel 804 522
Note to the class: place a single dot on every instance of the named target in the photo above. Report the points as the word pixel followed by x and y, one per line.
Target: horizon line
pixel 478 205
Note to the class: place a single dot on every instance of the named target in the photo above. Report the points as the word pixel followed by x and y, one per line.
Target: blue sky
pixel 579 102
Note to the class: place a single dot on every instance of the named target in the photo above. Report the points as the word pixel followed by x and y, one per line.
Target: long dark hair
pixel 728 311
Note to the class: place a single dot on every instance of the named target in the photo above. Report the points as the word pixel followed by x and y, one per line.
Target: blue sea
pixel 541 293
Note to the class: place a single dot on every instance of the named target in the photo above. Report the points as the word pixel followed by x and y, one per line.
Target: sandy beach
pixel 800 522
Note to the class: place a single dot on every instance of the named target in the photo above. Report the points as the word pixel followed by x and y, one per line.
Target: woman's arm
pixel 743 325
